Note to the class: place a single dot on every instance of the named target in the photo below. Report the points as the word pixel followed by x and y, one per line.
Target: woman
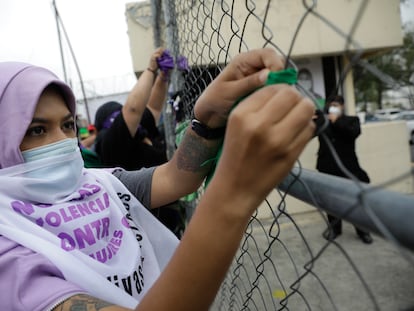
pixel 80 237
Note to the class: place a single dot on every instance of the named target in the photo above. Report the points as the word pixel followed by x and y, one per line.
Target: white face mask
pixel 52 172
pixel 64 146
pixel 335 110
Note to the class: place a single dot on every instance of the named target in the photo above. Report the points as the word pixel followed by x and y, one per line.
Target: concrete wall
pixel 316 36
pixel 383 151
pixel 377 28
pixel 140 33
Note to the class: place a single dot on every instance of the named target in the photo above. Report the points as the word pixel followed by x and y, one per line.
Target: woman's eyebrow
pixel 67 117
pixel 42 120
pixel 39 120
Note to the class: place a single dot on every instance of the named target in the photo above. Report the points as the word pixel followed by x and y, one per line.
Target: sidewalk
pixel 381 280
pixel 388 275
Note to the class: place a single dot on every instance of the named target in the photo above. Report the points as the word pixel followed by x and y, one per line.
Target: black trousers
pixel 336 225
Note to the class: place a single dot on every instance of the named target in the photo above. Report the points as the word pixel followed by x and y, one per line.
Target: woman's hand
pixel 265 135
pixel 153 65
pixel 246 72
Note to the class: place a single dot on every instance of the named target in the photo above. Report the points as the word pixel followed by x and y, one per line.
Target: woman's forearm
pixel 201 261
pixel 158 96
pixel 187 169
pixel 137 101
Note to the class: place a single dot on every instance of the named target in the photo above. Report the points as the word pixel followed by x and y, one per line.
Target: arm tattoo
pixel 83 303
pixel 193 152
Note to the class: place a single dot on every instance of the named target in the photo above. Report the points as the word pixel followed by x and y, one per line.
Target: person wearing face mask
pixel 342 132
pixel 82 238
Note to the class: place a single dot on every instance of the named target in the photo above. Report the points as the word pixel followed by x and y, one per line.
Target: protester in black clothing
pixel 128 134
pixel 115 145
pixel 342 132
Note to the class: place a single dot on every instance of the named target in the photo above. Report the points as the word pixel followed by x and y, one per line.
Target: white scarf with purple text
pixel 97 231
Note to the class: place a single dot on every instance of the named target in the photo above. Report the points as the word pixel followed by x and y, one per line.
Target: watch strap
pixel 204 131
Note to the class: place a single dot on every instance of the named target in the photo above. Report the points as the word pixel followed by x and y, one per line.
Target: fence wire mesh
pixel 283 263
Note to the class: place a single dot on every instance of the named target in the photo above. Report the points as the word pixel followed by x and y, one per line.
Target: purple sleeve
pixel 29 281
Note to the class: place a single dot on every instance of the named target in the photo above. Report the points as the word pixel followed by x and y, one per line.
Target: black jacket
pixel 342 134
pixel 116 147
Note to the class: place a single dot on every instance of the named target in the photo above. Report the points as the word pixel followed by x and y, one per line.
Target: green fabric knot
pixel 287 76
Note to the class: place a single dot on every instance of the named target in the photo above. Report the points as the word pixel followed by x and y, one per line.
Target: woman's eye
pixel 35 131
pixel 69 125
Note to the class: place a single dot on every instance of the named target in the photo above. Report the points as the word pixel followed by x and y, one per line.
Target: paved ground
pixel 347 275
pixel 299 270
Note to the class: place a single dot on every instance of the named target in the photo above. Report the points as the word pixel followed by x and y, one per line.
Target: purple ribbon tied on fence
pixel 182 63
pixel 165 62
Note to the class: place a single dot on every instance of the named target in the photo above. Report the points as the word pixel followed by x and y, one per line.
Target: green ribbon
pixel 287 76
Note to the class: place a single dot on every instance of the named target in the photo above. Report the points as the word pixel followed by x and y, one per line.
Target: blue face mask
pixel 61 147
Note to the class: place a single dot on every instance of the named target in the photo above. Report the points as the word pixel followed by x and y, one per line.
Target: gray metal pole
pixel 157 22
pixel 62 56
pixel 387 213
pixel 172 43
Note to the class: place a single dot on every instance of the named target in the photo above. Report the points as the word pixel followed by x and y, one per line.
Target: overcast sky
pixel 97 30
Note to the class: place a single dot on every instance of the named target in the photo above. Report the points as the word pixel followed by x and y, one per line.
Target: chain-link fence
pixel 283 262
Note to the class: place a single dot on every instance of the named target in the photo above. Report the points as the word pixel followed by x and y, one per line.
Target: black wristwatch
pixel 204 131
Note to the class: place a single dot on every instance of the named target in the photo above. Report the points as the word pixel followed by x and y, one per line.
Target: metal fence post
pixel 378 210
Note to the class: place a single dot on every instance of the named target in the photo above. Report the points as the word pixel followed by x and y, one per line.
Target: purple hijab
pixel 21 85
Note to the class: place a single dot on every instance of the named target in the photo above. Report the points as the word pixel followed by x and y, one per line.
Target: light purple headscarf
pixel 21 85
